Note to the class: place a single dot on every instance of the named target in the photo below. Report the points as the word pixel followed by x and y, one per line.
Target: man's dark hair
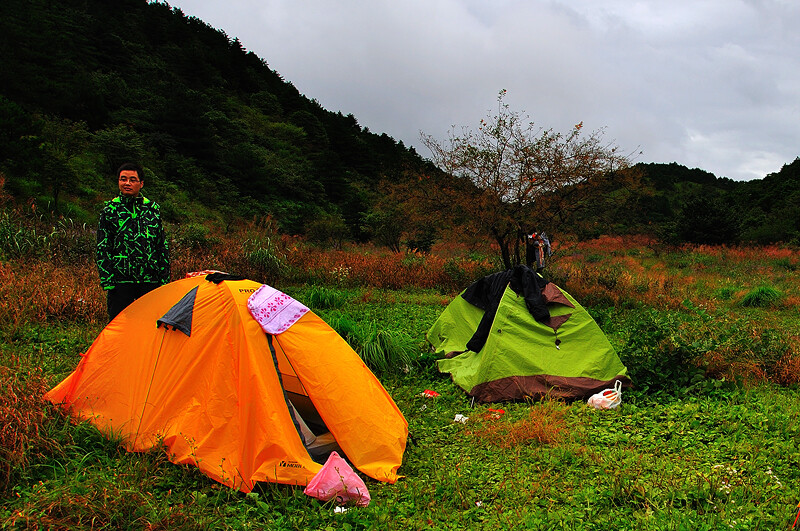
pixel 131 166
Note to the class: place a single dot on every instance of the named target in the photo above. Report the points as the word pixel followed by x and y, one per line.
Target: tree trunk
pixel 505 252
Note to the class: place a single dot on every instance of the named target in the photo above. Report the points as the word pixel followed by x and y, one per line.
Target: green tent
pixel 513 335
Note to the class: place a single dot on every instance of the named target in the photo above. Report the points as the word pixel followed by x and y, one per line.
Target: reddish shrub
pixel 544 425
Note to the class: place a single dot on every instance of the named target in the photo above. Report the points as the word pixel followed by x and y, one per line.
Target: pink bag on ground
pixel 337 480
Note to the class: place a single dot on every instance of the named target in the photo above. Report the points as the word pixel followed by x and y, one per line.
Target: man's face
pixel 129 183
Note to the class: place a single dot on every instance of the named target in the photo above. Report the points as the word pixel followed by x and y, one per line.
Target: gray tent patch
pixel 179 317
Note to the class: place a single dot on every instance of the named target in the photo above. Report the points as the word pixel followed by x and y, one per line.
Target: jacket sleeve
pixel 106 231
pixel 162 255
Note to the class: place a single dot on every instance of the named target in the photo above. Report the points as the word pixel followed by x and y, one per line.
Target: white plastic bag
pixel 337 480
pixel 608 398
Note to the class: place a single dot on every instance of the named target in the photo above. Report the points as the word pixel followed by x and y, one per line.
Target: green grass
pixel 694 454
pixel 725 460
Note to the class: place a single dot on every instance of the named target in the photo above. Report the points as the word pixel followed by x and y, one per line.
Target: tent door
pixel 318 445
pixel 313 432
pixel 305 408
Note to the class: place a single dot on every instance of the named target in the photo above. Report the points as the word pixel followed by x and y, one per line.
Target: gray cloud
pixel 713 84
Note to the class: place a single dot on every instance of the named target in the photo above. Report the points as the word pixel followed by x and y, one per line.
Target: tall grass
pixel 18 240
pixel 762 296
pixel 617 271
pixel 322 298
pixel 22 414
pixel 382 350
pixel 38 292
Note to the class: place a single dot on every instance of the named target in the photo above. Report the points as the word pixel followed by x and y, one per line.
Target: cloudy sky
pixel 710 84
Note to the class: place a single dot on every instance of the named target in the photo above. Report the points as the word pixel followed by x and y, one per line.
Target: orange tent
pixel 189 368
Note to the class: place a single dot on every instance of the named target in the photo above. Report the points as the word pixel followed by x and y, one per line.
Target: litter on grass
pixel 608 398
pixel 337 480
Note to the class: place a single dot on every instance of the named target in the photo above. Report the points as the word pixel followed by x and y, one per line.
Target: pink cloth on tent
pixel 275 311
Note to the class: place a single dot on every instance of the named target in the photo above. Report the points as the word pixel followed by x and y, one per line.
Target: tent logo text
pixel 290 464
pixel 247 290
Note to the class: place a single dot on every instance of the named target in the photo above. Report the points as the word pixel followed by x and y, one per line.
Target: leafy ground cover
pixel 707 440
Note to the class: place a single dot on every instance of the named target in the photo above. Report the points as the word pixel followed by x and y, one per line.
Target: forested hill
pixel 88 84
pixel 678 204
pixel 694 205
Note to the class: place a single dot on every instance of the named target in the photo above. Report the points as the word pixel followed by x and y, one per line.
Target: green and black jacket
pixel 131 244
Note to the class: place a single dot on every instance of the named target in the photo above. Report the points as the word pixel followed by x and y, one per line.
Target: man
pixel 537 251
pixel 132 254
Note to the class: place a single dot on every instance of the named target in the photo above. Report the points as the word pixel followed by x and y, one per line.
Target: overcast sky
pixel 710 84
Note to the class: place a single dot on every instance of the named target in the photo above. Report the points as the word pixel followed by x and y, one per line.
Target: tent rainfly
pixel 513 335
pixel 238 379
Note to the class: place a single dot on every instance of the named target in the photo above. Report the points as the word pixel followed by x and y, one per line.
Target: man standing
pixel 132 254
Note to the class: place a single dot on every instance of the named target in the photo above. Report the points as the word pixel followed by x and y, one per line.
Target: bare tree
pixel 513 165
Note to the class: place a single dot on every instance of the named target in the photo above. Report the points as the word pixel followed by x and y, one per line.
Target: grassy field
pixel 708 439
